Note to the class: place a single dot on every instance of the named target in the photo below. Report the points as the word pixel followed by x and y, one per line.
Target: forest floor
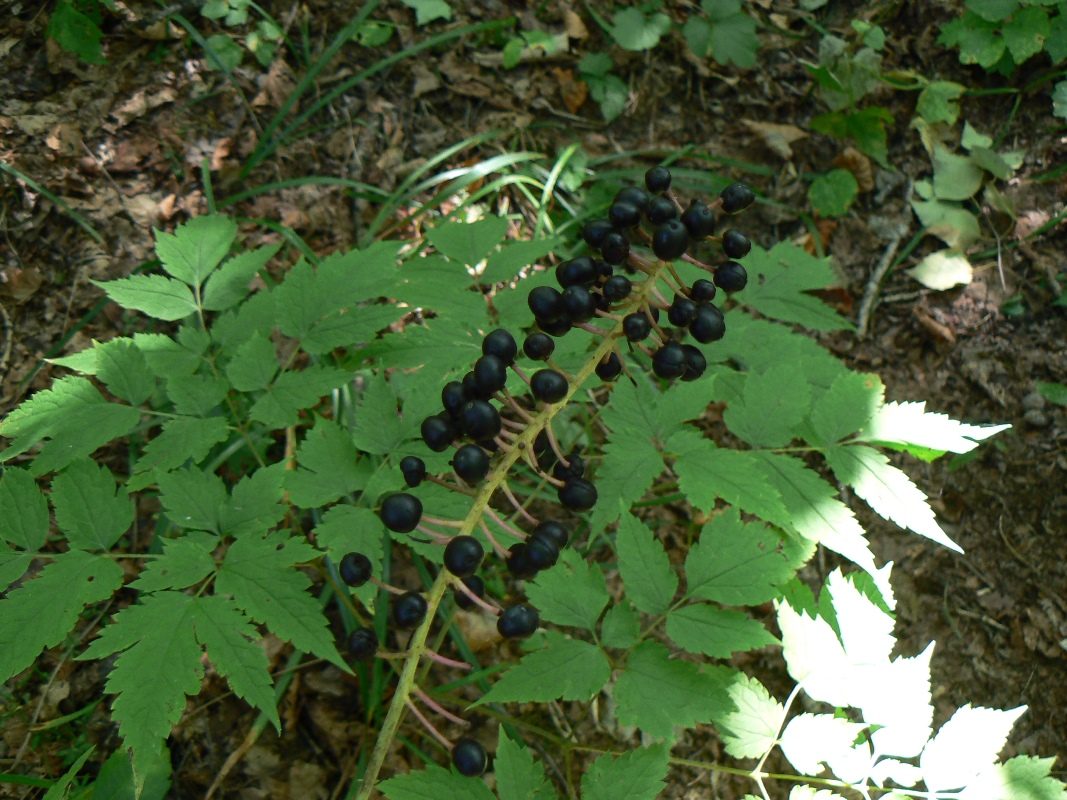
pixel 122 142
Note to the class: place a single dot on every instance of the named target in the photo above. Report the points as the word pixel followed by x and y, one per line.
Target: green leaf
pixel 181 439
pixel 73 416
pixel 327 466
pixel 228 285
pixel 196 395
pixel 347 529
pixel 596 64
pixel 165 356
pixel 223 53
pixel 378 429
pixel 155 295
pixel 434 782
pixel 256 503
pixel 116 779
pixel 231 645
pixel 645 568
pixel 658 694
pixel 1026 32
pixel 775 402
pixel 609 92
pixel 733 39
pixel 195 248
pixel 993 10
pixel 850 402
pixel 716 632
pixel 90 508
pixel 518 776
pixel 777 281
pixel 735 563
pixel 1056 41
pixel 23 509
pixel 13 565
pixel 697 33
pixel 1029 777
pixel 632 30
pixel 750 729
pixel 637 775
pixel 193 498
pixel 627 470
pixel 426 11
pixel 436 347
pixel 468 242
pixel 185 561
pixel 434 282
pixel 566 669
pixel 293 392
pixel 257 573
pixel 949 221
pixel 832 194
pixel 978 40
pixel 42 611
pixel 122 366
pixel 1053 392
pixel 505 263
pixel 253 365
pixel 1059 100
pixel 938 102
pixel 58 790
pixel 157 637
pixel 866 127
pixel 955 177
pixel 643 411
pixel 621 626
pixel 76 33
pixel 570 593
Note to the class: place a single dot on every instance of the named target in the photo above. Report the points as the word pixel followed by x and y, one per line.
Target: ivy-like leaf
pixel 42 611
pixel 733 39
pixel 185 561
pixel 90 508
pixel 23 509
pixel 432 783
pixel 645 568
pixel 567 669
pixel 155 295
pixel 637 775
pixel 570 593
pixel 778 280
pixel 327 466
pixel 632 30
pixel 716 632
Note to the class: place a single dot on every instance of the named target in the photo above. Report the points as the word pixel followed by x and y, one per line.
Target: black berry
pixel 682 311
pixel 661 210
pixel 624 215
pixel 548 385
pixel 355 569
pixel 575 468
pixel 469 758
pixel 490 375
pixel 518 622
pixel 736 197
pixel 581 271
pixel 636 326
pixel 541 552
pixel 617 287
pixel 501 344
pixel 735 244
pixel 669 361
pixel 702 291
pixel 615 248
pixel 554 531
pixel 557 327
pixel 471 463
pixel 414 469
pixel 658 179
pixel 437 433
pixel 477 588
pixel 609 367
pixel 698 220
pixel 480 420
pixel 577 494
pixel 695 363
pixel 362 644
pixel 401 512
pixel 472 389
pixel 670 240
pixel 409 609
pixel 463 556
pixel 595 231
pixel 579 304
pixel 731 277
pixel 538 346
pixel 546 304
pixel 709 325
pixel 453 396
pixel 518 564
pixel 634 195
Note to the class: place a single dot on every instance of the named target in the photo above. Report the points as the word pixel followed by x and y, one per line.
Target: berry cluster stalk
pixel 525 442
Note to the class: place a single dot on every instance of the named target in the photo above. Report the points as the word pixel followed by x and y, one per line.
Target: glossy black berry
pixel 709 325
pixel 472 389
pixel 471 463
pixel 548 385
pixel 670 240
pixel 553 531
pixel 518 622
pixel 624 215
pixel 477 588
pixel 609 367
pixel 695 363
pixel 581 271
pixel 617 287
pixel 437 433
pixel 453 396
pixel 636 326
pixel 469 758
pixel 698 220
pixel 603 269
pixel 401 512
pixel 413 469
pixel 557 327
pixel 501 344
pixel 736 197
pixel 702 291
pixel 658 179
pixel 463 556
pixel 518 564
pixel 490 375
pixel 577 494
pixel 595 231
pixel 661 210
pixel 682 311
pixel 409 609
pixel 546 303
pixel 538 346
pixel 575 468
pixel 634 195
pixel 669 361
pixel 579 304
pixel 615 248
pixel 355 569
pixel 735 244
pixel 731 277
pixel 541 552
pixel 479 420
pixel 362 644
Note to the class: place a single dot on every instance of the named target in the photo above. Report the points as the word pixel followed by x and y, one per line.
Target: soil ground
pixel 122 144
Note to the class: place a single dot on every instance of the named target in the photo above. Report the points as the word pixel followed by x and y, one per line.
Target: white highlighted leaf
pixel 910 423
pixel 809 740
pixel 966 745
pixel 943 270
pixel 749 731
pixel 901 773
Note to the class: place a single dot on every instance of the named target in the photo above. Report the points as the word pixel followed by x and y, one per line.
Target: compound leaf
pixel 657 694
pixel 346 529
pixel 750 728
pixel 185 561
pixel 180 439
pixel 196 395
pixel 255 504
pixel 909 424
pixel 778 280
pixel 434 782
pixel 621 626
pixel 567 669
pixel 468 242
pixel 571 593
pixel 626 472
pixel 637 775
pixel 122 366
pixel 505 263
pixel 13 565
pixel 294 391
pixel 645 568
pixel 230 640
pixel 379 429
pixel 42 611
pixel 326 465
pixel 90 508
pixel 716 632
pixel 850 402
pixel 966 745
pixel 258 573
pixel 228 285
pixel 155 295
pixel 774 403
pixel 518 776
pixel 253 365
pixel 195 248
pixel 193 498
pixel 23 509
